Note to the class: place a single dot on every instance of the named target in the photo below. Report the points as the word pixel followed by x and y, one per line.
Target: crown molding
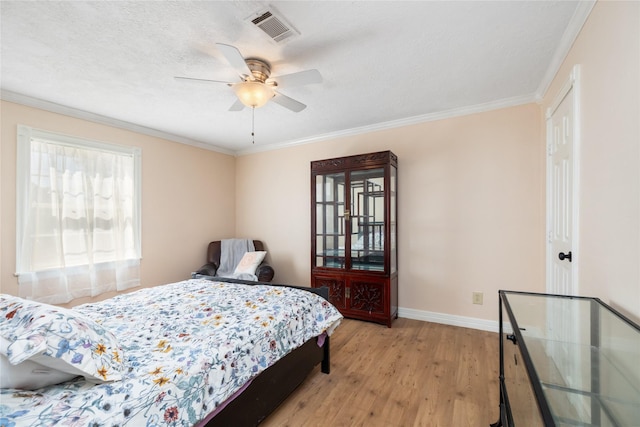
pixel 448 114
pixel 570 35
pixel 52 107
pixel 104 120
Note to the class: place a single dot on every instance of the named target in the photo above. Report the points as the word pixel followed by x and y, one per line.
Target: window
pixel 78 216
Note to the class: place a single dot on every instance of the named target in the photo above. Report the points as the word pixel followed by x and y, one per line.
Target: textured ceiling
pixel 382 62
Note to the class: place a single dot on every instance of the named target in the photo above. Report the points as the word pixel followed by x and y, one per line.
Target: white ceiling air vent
pixel 274 25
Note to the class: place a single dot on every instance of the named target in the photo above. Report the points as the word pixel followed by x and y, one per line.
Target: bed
pixel 199 352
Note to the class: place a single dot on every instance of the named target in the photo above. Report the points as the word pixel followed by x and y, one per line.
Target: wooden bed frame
pixel 271 387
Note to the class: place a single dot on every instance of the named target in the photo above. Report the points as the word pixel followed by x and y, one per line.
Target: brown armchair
pixel 264 271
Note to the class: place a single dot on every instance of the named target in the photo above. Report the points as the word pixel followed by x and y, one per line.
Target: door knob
pixel 564 256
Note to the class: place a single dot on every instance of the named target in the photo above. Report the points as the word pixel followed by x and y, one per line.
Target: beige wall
pixel 188 195
pixel 608 52
pixel 470 199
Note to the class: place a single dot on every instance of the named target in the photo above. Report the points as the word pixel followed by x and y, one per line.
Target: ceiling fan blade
pixel 298 79
pixel 235 58
pixel 289 103
pixel 237 106
pixel 191 79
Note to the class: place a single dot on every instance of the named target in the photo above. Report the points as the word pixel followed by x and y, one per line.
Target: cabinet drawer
pixel 368 296
pixel 337 290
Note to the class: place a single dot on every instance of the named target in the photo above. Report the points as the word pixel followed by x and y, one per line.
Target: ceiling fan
pixel 256 86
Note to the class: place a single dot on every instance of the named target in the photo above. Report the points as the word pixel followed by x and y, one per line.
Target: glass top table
pixel 582 358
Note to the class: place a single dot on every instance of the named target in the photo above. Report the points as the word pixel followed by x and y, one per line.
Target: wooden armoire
pixel 354 234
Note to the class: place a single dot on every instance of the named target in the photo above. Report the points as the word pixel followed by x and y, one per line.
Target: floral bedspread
pixel 187 346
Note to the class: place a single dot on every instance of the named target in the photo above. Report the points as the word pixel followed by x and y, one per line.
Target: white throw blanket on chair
pixel 231 252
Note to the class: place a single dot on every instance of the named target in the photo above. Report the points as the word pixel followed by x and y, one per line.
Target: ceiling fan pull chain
pixel 253 124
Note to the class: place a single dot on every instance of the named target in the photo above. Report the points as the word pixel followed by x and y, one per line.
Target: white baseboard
pixel 449 319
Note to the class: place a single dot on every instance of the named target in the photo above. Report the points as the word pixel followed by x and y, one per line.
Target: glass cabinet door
pixel 367 219
pixel 330 220
pixel 362 222
pixel 393 221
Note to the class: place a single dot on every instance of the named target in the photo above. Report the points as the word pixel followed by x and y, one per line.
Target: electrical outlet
pixel 477 297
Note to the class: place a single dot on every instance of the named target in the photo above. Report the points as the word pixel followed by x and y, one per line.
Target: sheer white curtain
pixel 79 226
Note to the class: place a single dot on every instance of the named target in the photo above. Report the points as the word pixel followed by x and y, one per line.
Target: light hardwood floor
pixel 414 374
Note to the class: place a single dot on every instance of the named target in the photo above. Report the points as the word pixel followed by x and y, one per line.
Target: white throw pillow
pixel 249 262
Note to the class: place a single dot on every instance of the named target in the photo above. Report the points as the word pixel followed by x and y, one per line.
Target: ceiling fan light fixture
pixel 253 94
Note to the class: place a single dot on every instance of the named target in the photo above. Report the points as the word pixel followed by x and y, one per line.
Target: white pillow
pixel 61 339
pixel 29 375
pixel 249 262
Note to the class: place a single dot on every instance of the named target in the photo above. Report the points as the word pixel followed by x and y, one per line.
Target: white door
pixel 561 253
pixel 562 190
pixel 560 233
